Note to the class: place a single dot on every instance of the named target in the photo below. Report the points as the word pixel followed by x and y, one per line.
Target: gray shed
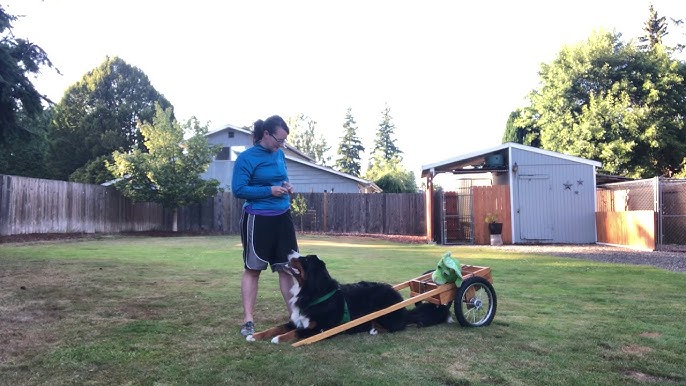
pixel 552 196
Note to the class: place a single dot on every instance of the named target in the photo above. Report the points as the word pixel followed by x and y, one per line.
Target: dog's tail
pixel 426 314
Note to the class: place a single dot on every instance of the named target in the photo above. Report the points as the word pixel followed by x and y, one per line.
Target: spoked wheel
pixel 475 302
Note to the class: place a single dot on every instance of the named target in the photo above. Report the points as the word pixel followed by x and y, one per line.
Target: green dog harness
pixel 346 311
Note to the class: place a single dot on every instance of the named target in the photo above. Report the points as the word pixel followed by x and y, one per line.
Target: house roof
pixel 476 161
pixel 295 155
pixel 247 131
pixel 366 183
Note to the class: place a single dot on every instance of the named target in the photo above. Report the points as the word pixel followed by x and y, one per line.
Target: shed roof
pixel 476 161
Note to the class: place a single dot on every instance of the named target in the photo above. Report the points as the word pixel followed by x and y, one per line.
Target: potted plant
pixel 494 226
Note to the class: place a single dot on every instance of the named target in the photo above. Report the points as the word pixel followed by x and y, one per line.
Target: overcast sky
pixel 451 71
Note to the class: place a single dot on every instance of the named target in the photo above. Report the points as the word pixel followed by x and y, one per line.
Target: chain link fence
pixel 672 214
pixel 665 196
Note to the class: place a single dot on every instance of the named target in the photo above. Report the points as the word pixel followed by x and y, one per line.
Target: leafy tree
pixel 299 208
pixel 307 140
pixel 392 177
pixel 526 135
pixel 385 149
pixel 99 115
pixel 608 101
pixel 18 96
pixel 94 171
pixel 350 147
pixel 169 173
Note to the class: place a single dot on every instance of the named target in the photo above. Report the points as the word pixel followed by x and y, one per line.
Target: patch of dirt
pixel 24 317
pixel 42 237
pixel 39 237
pixel 404 239
pixel 634 349
pixel 650 335
pixel 642 377
pixel 47 237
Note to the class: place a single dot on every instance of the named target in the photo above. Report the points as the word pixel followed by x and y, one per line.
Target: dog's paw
pixel 250 338
pixel 275 340
pixel 373 331
pixel 450 319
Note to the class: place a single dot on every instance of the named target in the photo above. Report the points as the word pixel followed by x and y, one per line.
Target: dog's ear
pixel 315 261
pixel 319 267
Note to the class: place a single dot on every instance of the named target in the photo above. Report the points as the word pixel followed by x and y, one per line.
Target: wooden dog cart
pixel 474 300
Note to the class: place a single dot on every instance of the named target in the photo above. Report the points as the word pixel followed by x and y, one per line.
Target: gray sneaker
pixel 248 329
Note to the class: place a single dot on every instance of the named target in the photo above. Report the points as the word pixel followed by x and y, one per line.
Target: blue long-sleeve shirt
pixel 255 172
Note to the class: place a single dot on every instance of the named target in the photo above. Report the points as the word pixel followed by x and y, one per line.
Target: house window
pixel 229 153
pixel 231 133
pixel 224 154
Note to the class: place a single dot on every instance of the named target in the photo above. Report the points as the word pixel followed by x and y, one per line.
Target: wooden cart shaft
pixel 421 288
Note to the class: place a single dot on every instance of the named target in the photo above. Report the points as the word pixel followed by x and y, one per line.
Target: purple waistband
pixel 263 212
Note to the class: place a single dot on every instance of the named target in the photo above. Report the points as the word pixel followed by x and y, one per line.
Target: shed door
pixel 535 214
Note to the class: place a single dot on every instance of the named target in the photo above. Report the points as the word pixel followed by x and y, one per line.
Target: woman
pixel 267 231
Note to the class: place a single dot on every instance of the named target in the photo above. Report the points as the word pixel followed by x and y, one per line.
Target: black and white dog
pixel 320 303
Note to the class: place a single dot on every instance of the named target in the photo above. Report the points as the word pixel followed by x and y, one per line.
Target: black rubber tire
pixel 479 310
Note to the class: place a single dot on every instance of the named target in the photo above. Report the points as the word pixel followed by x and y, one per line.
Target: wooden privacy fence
pixel 31 205
pixel 491 199
pixel 388 213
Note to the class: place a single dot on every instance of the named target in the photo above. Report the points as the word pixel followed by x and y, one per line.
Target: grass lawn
pixel 149 311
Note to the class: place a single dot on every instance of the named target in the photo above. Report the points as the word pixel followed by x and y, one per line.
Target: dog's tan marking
pixel 270 333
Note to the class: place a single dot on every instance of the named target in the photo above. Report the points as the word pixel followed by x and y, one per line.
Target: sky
pixel 451 71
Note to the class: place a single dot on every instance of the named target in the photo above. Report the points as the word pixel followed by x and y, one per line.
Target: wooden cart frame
pixel 475 300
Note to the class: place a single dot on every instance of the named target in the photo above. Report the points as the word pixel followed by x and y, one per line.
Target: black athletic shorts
pixel 267 240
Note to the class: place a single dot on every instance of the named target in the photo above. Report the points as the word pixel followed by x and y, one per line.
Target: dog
pixel 319 303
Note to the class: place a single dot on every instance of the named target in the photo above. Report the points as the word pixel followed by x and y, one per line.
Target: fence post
pixel 324 213
pixel 657 199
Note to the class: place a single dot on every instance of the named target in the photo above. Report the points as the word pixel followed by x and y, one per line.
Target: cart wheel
pixel 475 302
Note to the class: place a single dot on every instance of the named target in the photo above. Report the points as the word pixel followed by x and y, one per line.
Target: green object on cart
pixel 448 270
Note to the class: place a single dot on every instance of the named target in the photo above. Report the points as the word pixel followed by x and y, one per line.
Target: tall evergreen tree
pixel 655 29
pixel 385 149
pixel 385 167
pixel 349 149
pixel 23 121
pixel 18 96
pixel 99 115
pixel 23 151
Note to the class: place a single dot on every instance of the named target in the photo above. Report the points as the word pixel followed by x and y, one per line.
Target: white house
pixel 303 172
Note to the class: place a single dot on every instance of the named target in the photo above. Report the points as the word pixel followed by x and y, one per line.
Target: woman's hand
pixel 278 191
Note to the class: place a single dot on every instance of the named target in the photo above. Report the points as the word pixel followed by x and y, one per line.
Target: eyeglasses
pixel 279 141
